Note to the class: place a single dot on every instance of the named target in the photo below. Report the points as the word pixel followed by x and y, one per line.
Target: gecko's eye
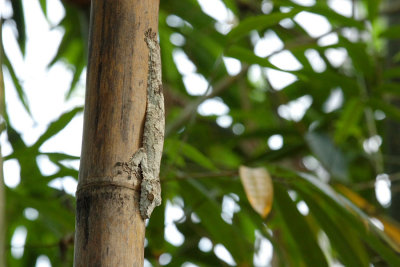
pixel 150 196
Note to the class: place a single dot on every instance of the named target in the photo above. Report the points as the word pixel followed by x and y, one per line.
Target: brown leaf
pixel 258 186
pixel 392 230
pixel 390 227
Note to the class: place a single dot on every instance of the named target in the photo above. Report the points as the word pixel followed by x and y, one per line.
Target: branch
pixel 371 184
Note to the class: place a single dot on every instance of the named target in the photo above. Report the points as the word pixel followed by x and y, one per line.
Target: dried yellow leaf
pixel 392 230
pixel 258 186
pixel 390 227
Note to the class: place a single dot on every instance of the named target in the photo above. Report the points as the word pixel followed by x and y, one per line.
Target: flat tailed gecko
pixel 147 159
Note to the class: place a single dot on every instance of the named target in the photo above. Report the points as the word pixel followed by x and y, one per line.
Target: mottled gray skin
pixel 148 157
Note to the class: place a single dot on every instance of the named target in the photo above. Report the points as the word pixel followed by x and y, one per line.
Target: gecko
pixel 147 159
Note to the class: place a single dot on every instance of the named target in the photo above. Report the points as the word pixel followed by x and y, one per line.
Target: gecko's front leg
pixel 150 192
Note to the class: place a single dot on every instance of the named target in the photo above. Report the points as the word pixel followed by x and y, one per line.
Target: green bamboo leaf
pixel 173 153
pixel 391 73
pixel 350 249
pixel 389 109
pixel 258 23
pixel 358 54
pixel 328 154
pixel 358 220
pixel 79 67
pixel 71 47
pixel 390 88
pixel 248 56
pixel 232 5
pixel 52 211
pixel 193 154
pixel 16 142
pixel 338 206
pixel 307 243
pixel 320 8
pixel 169 69
pixel 17 84
pixel 63 172
pixel 285 247
pixel 392 32
pixel 209 211
pixel 203 50
pixel 155 233
pixel 43 5
pixel 56 126
pixel 54 156
pixel 373 8
pixel 224 156
pixel 19 18
pixel 347 124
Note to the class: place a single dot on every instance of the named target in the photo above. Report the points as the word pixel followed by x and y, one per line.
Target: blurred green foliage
pixel 201 157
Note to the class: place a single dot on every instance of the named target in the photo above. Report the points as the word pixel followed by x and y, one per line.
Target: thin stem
pixel 371 125
pixel 371 184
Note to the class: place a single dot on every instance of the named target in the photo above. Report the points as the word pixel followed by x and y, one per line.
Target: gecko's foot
pixel 137 158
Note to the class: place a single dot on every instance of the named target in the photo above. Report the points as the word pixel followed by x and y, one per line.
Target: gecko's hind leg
pixel 138 163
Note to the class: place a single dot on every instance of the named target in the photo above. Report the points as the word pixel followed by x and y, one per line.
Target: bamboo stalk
pixel 109 228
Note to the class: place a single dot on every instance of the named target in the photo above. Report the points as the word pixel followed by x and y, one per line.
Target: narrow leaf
pixel 392 32
pixel 350 248
pixel 19 18
pixel 329 155
pixel 391 228
pixel 191 153
pixel 358 219
pixel 209 210
pixel 258 23
pixel 248 56
pixel 391 73
pixel 198 157
pixel 389 109
pixel 347 123
pixel 322 9
pixel 299 229
pixel 75 79
pixel 43 5
pixel 17 84
pixel 57 126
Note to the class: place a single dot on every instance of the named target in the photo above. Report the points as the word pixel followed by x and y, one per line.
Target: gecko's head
pixel 151 38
